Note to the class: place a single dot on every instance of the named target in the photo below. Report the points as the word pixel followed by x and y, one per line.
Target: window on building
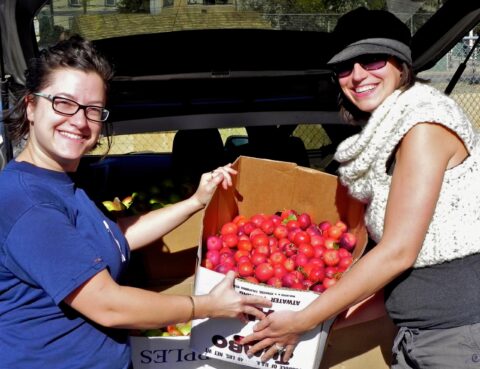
pixel 216 2
pixel 110 2
pixel 74 2
pixel 209 2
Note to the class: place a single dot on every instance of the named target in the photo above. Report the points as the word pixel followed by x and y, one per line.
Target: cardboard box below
pixel 174 257
pixel 171 353
pixel 267 186
pixel 219 335
pixel 177 286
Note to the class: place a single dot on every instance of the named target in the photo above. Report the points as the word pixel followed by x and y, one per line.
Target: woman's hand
pixel 209 182
pixel 225 302
pixel 276 333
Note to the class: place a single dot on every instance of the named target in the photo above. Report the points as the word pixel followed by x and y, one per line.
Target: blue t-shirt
pixel 53 239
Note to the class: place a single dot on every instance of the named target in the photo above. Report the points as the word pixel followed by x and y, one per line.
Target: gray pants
pixel 453 348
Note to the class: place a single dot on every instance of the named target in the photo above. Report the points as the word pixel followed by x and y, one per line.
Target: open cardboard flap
pixel 268 186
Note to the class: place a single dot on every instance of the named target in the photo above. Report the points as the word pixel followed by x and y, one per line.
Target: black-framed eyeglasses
pixel 69 107
pixel 368 62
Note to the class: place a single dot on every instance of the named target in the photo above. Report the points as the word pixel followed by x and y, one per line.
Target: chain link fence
pixel 467 90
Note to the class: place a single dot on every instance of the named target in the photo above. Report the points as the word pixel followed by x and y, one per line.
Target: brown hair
pixel 74 53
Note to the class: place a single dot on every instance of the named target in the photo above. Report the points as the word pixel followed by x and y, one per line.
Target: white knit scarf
pixel 360 154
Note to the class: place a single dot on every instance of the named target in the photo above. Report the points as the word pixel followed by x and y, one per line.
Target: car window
pixel 155 142
pixel 97 19
pixel 313 136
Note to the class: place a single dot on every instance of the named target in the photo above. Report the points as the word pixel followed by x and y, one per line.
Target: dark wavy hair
pixel 351 114
pixel 73 53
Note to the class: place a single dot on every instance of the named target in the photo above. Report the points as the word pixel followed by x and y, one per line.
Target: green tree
pixel 310 6
pixel 133 6
pixel 49 33
pixel 307 15
pixel 343 6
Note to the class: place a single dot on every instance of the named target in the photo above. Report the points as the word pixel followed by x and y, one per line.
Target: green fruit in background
pixel 154 200
pixel 128 200
pixel 154 190
pixel 155 203
pixel 115 205
pixel 109 205
pixel 187 189
pixel 153 332
pixel 185 328
pixel 174 197
pixel 151 197
pixel 167 184
pixel 141 196
pixel 139 208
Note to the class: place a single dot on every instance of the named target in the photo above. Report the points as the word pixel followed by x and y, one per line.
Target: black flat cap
pixel 364 31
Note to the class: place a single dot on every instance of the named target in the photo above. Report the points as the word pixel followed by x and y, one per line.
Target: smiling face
pixel 57 141
pixel 367 89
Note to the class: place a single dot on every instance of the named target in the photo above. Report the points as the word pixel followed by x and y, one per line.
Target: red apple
pixel 214 243
pixel 347 241
pixel 304 220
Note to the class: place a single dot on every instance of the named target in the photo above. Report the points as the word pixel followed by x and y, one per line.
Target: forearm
pixel 147 228
pixel 134 308
pixel 371 273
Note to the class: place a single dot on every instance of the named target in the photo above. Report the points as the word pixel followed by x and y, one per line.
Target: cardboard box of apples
pixel 271 189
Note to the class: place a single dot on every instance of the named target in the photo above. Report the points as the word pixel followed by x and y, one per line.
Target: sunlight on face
pixel 367 89
pixel 58 141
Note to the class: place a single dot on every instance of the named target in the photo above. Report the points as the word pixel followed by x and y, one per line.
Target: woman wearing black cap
pixel 415 165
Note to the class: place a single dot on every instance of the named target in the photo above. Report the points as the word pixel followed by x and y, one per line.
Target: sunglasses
pixel 367 62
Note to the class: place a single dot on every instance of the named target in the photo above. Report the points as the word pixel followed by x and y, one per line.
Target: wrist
pixel 203 306
pixel 195 203
pixel 304 321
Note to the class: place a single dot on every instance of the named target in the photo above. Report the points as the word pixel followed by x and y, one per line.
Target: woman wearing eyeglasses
pixel 415 165
pixel 61 260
